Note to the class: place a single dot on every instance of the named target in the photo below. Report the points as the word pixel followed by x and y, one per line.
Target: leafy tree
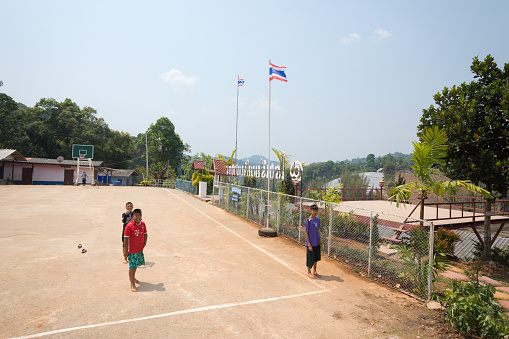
pixel 475 119
pixel 10 124
pixel 370 162
pixel 164 145
pixel 427 155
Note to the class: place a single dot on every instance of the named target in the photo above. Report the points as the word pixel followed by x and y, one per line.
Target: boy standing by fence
pixel 135 240
pixel 313 242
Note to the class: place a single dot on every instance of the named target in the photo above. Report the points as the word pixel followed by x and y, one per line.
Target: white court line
pixel 279 260
pixel 192 310
pixel 199 309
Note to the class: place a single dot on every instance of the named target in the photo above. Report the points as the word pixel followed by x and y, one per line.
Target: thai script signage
pixel 264 171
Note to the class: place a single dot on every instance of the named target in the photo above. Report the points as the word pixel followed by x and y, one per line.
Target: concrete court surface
pixel 207 275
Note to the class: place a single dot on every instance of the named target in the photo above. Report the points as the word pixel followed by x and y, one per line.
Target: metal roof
pixel 464 249
pixel 124 173
pixel 10 154
pixel 44 161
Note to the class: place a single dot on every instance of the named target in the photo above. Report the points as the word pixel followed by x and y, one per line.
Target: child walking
pixel 135 240
pixel 127 217
pixel 313 242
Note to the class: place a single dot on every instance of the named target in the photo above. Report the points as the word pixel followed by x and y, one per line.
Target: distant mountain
pixel 257 160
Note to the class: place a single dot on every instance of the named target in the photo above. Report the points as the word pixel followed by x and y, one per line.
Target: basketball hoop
pixel 82 156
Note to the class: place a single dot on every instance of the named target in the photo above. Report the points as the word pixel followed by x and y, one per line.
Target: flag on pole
pixel 277 72
pixel 240 82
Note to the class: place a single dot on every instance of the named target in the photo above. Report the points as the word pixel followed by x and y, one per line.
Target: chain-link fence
pixel 393 249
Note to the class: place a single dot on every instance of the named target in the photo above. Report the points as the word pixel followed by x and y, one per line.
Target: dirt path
pixel 208 274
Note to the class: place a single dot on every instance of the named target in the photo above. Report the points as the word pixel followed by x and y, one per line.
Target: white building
pixel 18 169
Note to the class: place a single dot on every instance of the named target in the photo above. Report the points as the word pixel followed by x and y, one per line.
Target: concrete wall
pixel 42 174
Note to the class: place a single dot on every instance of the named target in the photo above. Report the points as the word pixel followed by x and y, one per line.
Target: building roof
pixel 198 165
pixel 464 249
pixel 44 161
pixel 122 173
pixel 11 154
pixel 218 167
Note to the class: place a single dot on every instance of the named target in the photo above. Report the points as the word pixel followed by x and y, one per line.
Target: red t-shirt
pixel 136 235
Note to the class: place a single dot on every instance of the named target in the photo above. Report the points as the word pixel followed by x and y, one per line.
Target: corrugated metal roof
pixel 11 154
pixel 464 249
pixel 123 173
pixel 64 162
pixel 55 162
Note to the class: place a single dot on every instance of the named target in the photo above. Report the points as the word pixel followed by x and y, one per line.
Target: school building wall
pixel 42 174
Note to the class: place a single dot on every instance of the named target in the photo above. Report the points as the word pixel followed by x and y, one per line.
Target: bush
pixel 445 240
pixel 497 254
pixel 209 179
pixel 472 309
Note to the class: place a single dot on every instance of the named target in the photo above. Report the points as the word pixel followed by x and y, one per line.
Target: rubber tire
pixel 267 232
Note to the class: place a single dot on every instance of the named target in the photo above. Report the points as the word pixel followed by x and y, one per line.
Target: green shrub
pixel 472 309
pixel 209 179
pixel 445 241
pixel 497 254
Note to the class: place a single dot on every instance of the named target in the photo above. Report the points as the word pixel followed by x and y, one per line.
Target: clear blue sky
pixel 359 72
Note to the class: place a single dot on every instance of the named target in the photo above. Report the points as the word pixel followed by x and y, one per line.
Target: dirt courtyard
pixel 208 275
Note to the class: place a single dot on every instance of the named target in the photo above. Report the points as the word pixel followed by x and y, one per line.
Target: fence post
pixel 228 196
pixel 300 215
pixel 431 259
pixel 278 217
pixel 263 206
pixel 370 239
pixel 330 229
pixel 247 203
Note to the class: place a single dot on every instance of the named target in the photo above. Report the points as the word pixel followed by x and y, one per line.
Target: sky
pixel 359 72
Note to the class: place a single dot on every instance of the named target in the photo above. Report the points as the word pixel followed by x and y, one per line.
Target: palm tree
pixel 429 155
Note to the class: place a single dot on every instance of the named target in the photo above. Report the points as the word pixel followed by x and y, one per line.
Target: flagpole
pixel 237 121
pixel 268 164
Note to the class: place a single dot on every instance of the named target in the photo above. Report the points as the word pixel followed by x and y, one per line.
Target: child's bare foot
pixel 317 275
pixel 125 261
pixel 310 275
pixel 134 289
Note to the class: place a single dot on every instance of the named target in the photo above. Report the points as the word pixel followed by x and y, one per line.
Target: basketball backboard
pixel 82 152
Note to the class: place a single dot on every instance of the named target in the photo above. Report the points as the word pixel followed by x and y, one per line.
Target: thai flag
pixel 240 82
pixel 277 72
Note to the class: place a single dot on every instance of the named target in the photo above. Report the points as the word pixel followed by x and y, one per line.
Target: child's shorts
pixel 313 256
pixel 136 259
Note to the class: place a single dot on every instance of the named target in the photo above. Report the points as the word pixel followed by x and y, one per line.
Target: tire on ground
pixel 267 232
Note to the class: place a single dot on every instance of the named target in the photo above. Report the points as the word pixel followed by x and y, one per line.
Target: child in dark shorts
pixel 313 242
pixel 127 217
pixel 135 240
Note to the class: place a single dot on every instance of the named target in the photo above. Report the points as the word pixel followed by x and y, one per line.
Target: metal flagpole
pixel 237 121
pixel 268 164
pixel 146 149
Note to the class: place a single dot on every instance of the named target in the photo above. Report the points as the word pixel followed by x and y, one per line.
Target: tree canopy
pixel 50 128
pixel 475 119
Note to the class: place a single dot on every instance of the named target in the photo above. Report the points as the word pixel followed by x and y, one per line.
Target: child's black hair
pixel 313 207
pixel 127 203
pixel 137 211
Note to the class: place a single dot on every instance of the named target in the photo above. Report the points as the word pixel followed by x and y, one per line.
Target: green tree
pixel 9 128
pixel 370 163
pixel 427 155
pixel 164 145
pixel 475 119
